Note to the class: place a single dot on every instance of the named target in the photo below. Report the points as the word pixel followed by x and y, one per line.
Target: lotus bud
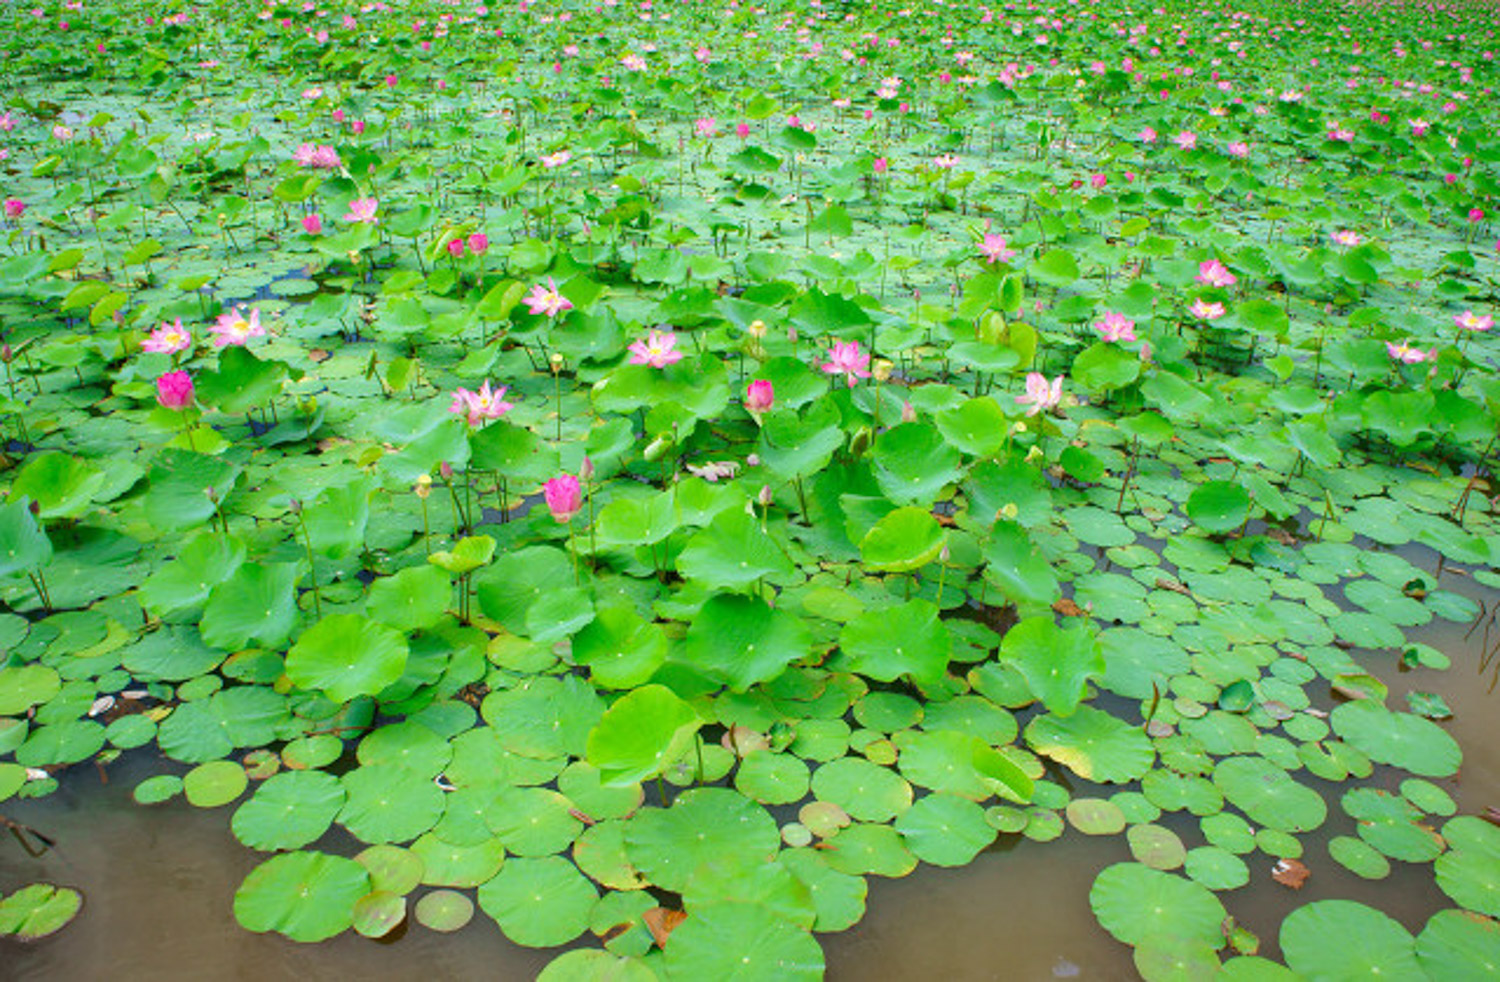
pixel 556 361
pixel 757 328
pixel 586 469
pixel 860 442
pixel 753 460
pixel 424 486
pixel 908 413
pixel 882 370
pixel 1009 511
pixel 943 554
pixel 445 469
pixel 6 355
pixel 657 448
pixel 294 506
pixel 1034 454
pixel 764 497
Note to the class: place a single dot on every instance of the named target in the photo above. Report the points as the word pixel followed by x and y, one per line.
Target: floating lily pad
pixel 37 910
pixel 945 830
pixel 392 869
pixel 307 896
pixel 1093 744
pixel 704 824
pixel 865 791
pixel 539 903
pixel 445 911
pixel 1156 846
pixel 1095 816
pixel 1359 857
pixel 1134 902
pixel 215 783
pixel 1343 939
pixel 1467 871
pixel 730 940
pixel 1268 795
pixel 1399 739
pixel 1457 944
pixel 379 913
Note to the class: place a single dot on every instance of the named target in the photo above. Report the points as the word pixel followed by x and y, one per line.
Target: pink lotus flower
pixel 14 208
pixel 7 121
pixel 706 126
pixel 1097 181
pixel 1207 311
pixel 1470 321
pixel 1407 355
pixel 564 497
pixel 1186 140
pixel 319 157
pixel 481 405
pixel 1146 135
pixel 1115 326
pixel 1419 127
pixel 234 328
pixel 479 243
pixel 760 396
pixel 1344 237
pixel 741 130
pixel 634 63
pixel 546 300
pixel 881 165
pixel 1041 395
pixel 174 390
pixel 61 133
pixel 1238 149
pixel 658 350
pixel 551 160
pixel 168 339
pixel 455 248
pixel 945 161
pixel 312 224
pixel 1476 214
pixel 363 210
pixel 994 250
pixel 846 359
pixel 1211 272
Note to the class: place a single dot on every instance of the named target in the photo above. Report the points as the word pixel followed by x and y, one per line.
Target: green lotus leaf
pixel 414 599
pixel 913 463
pixel 1457 944
pixel 1156 846
pixel 1268 795
pixel 1400 739
pixel 388 803
pixel 183 584
pixel 1103 366
pixel 668 845
pixel 905 539
pixel 254 605
pixel 288 811
pixel 186 489
pixel 641 735
pixel 732 940
pixel 37 910
pixel 907 639
pixel 24 686
pixel 23 544
pixel 451 864
pixel 1342 939
pixel 215 783
pixel 741 641
pixel 542 718
pixel 1466 872
pixel 1135 903
pixel 307 896
pixel 1219 506
pixel 347 655
pixel 1057 662
pixel 62 485
pixel 1093 744
pixel 620 649
pixel 732 553
pixel 446 911
pixel 1017 568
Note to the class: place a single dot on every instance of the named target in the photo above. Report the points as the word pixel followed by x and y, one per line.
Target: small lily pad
pixel 378 913
pixel 213 784
pixel 38 910
pixel 444 910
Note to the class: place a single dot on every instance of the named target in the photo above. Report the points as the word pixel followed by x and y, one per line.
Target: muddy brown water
pixel 159 882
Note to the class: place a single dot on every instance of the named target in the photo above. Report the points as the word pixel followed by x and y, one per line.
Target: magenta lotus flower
pixel 362 210
pixel 168 339
pixel 174 390
pixel 14 208
pixel 1041 395
pixel 760 396
pixel 312 224
pixel 741 130
pixel 1211 272
pixel 1470 321
pixel 564 497
pixel 1476 214
pixel 456 248
pixel 994 250
pixel 1407 355
pixel 847 360
pixel 546 300
pixel 1207 311
pixel 479 243
pixel 881 165
pixel 481 405
pixel 317 157
pixel 234 328
pixel 1115 326
pixel 658 350
pixel 1419 127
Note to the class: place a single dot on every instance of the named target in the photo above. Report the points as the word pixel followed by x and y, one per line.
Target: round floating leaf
pixel 408 744
pixel 906 539
pixel 1017 567
pixel 945 830
pixel 1134 902
pixel 838 898
pixel 1269 795
pixel 392 869
pixel 1218 506
pixel 1161 957
pixel 1467 871
pixel 254 606
pixel 905 639
pixel 347 655
pixel 1093 744
pixel 412 600
pixel 38 910
pixel 703 825
pixel 732 553
pixel 539 903
pixel 155 790
pixel 1095 816
pixel 913 463
pixel 378 913
pixel 741 641
pixel 215 783
pixel 387 803
pixel 600 852
pixel 1156 846
pixel 865 791
pixel 532 821
pixel 1342 939
pixel 741 941
pixel 444 910
pixel 1456 944
pixel 1057 662
pixel 641 735
pixel 621 649
pixel 24 686
pixel 1428 796
pixel 772 778
pixel 593 965
pixel 1215 868
pixel 307 896
pixel 1399 739
pixel 1359 857
pixel 290 810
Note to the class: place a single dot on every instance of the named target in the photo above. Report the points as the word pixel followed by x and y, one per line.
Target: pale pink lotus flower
pixel 658 350
pixel 1041 395
pixel 564 497
pixel 1344 237
pixel 312 224
pixel 481 405
pixel 1470 321
pixel 945 161
pixel 14 208
pixel 715 470
pixel 1239 149
pixel 760 396
pixel 634 63
pixel 1146 135
pixel 703 55
pixel 7 121
pixel 547 300
pixel 1419 127
pixel 363 210
pixel 1186 140
pixel 62 133
pixel 1211 272
pixel 994 250
pixel 233 328
pixel 1339 134
pixel 1115 326
pixel 168 339
pixel 1207 310
pixel 1407 355
pixel 846 359
pixel 706 126
pixel 551 160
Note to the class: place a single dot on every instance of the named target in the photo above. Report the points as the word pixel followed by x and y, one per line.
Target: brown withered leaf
pixel 1067 607
pixel 319 355
pixel 1165 583
pixel 1290 873
pixel 661 922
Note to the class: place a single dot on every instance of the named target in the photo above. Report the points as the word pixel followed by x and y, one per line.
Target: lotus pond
pixel 636 489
